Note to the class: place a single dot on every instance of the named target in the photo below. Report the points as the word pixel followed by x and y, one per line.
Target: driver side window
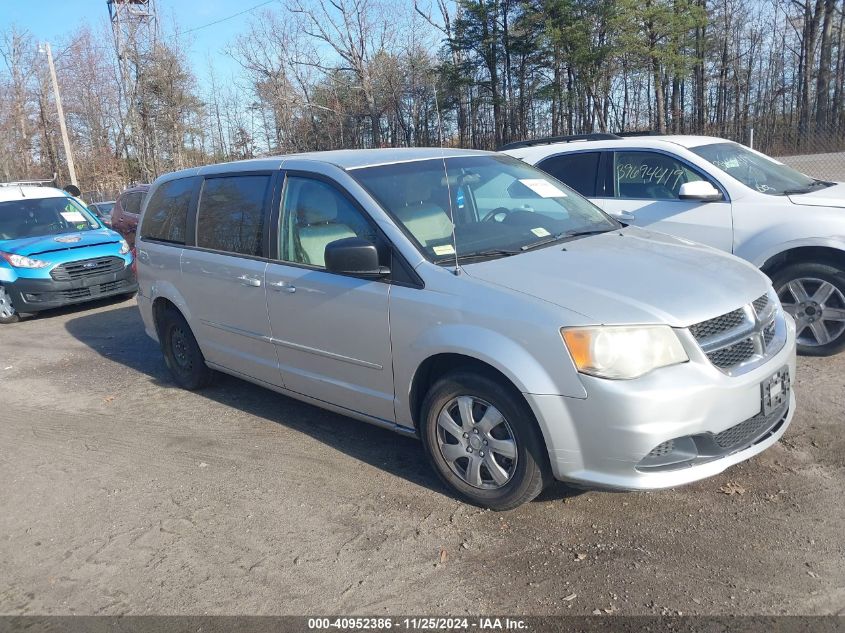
pixel 650 176
pixel 315 214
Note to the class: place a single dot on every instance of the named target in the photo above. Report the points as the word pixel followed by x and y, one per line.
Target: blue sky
pixel 55 20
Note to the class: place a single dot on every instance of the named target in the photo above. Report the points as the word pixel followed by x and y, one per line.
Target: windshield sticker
pixel 542 188
pixel 446 249
pixel 540 232
pixel 73 216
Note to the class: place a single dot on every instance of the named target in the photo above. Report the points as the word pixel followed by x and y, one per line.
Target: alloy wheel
pixel 818 308
pixel 477 442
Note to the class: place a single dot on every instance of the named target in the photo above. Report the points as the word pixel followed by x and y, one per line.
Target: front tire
pixel 8 314
pixel 482 440
pixel 814 294
pixel 182 353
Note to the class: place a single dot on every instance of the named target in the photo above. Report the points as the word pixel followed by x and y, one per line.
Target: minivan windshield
pixel 500 206
pixel 757 171
pixel 36 217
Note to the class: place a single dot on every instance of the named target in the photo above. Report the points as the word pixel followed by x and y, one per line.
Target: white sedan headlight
pixel 124 247
pixel 623 352
pixel 20 261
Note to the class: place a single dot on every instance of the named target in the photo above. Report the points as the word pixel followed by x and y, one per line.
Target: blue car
pixel 55 252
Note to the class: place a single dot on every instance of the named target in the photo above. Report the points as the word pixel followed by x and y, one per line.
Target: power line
pixel 234 15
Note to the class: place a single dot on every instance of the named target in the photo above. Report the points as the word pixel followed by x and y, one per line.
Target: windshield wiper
pixel 562 236
pixel 493 252
pixel 818 184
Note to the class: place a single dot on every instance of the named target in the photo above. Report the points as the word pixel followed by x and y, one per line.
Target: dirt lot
pixel 122 494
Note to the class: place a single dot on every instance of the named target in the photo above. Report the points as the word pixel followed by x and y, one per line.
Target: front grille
pixel 747 431
pixel 87 268
pixel 76 293
pixel 690 450
pixel 663 449
pixel 743 338
pixel 769 333
pixel 761 304
pixel 732 355
pixel 719 325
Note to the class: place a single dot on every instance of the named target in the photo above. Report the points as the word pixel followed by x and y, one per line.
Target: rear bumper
pixel 35 295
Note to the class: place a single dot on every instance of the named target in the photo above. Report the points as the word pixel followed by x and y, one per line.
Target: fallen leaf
pixel 108 399
pixel 580 556
pixel 570 597
pixel 732 488
pixel 444 555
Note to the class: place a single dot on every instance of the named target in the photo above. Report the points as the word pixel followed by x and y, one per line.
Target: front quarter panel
pixel 763 229
pixel 516 334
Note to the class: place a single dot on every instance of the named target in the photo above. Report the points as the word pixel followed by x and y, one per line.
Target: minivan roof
pixel 346 159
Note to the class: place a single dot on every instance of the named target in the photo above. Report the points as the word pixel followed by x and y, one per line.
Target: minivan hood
pixel 630 276
pixel 828 197
pixel 29 246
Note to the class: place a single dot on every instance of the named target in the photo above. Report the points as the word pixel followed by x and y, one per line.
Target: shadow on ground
pixel 118 334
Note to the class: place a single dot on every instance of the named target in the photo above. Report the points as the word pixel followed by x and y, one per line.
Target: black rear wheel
pixel 181 352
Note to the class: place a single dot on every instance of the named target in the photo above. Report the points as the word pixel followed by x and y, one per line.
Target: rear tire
pixel 8 314
pixel 182 353
pixel 483 441
pixel 814 294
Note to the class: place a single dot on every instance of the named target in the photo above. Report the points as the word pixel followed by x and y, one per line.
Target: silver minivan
pixel 475 302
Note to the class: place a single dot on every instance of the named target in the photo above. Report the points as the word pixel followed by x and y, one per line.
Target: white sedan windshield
pixel 486 206
pixel 757 171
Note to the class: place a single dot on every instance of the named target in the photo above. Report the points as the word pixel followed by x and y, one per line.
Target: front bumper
pixel 35 295
pixel 603 440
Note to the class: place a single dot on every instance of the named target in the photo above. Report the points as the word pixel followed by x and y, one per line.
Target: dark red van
pixel 127 209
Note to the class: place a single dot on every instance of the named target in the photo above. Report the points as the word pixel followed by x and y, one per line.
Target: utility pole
pixel 62 126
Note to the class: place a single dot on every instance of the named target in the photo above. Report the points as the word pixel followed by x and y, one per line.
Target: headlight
pixel 622 352
pixel 20 261
pixel 124 247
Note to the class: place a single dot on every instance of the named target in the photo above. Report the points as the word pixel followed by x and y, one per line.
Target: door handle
pixel 282 286
pixel 246 280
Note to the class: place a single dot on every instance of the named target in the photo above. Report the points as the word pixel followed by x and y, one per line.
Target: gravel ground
pixel 122 494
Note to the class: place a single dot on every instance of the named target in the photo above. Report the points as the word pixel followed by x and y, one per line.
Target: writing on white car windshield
pixel 757 171
pixel 500 206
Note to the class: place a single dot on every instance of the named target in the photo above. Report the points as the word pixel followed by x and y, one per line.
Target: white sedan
pixel 728 196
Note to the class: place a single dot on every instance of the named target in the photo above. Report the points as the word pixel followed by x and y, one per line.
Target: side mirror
pixel 354 256
pixel 699 190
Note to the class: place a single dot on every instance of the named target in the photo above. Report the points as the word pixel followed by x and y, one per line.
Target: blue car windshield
pixel 36 217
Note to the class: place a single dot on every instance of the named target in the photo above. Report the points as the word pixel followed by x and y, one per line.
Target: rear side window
pixel 167 212
pixel 131 202
pixel 579 171
pixel 232 214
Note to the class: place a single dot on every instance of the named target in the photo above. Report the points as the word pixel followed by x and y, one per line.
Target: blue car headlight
pixel 21 261
pixel 124 247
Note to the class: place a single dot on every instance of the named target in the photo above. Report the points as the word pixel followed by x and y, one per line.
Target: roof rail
pixel 29 183
pixel 595 136
pixel 640 133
